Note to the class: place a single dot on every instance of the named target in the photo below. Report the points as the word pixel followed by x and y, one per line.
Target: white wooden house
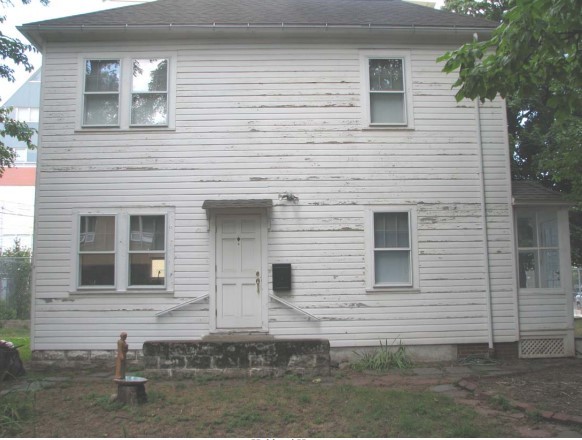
pixel 298 168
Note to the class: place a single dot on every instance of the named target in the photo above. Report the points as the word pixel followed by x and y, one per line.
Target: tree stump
pixel 10 363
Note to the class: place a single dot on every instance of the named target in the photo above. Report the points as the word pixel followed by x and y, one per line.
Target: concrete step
pixel 237 355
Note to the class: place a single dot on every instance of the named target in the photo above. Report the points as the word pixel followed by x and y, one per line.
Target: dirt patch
pixel 550 385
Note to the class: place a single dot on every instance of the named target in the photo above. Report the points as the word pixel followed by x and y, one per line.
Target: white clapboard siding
pixel 256 119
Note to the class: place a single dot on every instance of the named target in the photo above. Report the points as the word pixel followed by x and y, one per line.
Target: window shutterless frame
pixel 121 251
pixel 402 88
pixel 84 236
pixel 161 98
pixel 101 100
pixel 149 96
pixel 371 249
pixel 539 253
pixel 131 253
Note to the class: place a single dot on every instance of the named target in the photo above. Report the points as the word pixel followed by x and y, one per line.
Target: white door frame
pixel 212 269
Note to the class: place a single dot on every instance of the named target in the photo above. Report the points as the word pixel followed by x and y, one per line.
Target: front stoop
pixel 236 357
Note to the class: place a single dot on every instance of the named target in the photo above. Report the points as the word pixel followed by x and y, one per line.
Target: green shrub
pixel 14 410
pixel 383 358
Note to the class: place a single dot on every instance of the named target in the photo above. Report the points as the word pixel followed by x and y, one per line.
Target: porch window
pixel 97 251
pixel 147 250
pixel 101 93
pixel 538 248
pixel 392 249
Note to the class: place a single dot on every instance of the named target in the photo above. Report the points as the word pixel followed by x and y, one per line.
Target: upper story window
pixel 26 114
pixel 538 249
pixel 127 92
pixel 386 89
pixel 387 104
pixel 149 92
pixel 101 96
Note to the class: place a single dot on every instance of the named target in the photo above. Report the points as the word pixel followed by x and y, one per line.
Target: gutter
pixel 26 30
pixel 484 229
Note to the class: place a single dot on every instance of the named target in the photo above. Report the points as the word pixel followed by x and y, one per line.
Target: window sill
pixel 387 127
pixel 384 289
pixel 123 130
pixel 533 290
pixel 103 292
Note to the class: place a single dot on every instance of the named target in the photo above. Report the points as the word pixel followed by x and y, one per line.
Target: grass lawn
pixel 19 337
pixel 287 407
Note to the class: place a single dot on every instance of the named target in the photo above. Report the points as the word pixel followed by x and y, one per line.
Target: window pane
pixel 97 234
pixel 34 114
pixel 548 229
pixel 150 75
pixel 101 109
pixel 392 267
pixel 391 230
pixel 147 269
pixel 550 268
pixel 148 233
pixel 386 75
pixel 102 76
pixel 387 108
pixel 97 269
pixel 149 109
pixel 526 229
pixel 528 265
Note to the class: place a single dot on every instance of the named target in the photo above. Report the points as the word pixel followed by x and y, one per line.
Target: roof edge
pixel 34 33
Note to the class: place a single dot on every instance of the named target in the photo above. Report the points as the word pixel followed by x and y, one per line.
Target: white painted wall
pixel 254 121
pixel 16 215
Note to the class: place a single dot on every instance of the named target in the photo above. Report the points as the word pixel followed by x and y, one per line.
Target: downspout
pixel 484 229
pixel 39 154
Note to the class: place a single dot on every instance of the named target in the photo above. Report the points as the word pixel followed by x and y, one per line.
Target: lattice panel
pixel 542 348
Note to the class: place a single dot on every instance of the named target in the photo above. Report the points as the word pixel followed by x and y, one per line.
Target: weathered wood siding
pixel 253 121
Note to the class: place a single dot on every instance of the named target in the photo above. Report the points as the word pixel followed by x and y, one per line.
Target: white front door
pixel 239 287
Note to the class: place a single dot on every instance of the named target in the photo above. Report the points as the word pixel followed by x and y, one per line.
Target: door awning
pixel 237 204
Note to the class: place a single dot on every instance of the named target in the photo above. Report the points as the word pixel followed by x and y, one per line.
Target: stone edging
pixel 556 417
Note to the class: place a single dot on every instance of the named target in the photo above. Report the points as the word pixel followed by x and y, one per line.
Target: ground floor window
pixel 538 248
pixel 390 242
pixel 122 249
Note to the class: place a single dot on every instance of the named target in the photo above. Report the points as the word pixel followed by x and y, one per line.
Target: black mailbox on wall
pixel 281 277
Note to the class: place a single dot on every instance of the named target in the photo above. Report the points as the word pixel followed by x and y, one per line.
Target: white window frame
pixel 371 284
pixel 122 237
pixel 79 252
pixel 125 90
pixel 85 93
pixel 130 252
pixel 563 248
pixel 365 57
pixel 151 92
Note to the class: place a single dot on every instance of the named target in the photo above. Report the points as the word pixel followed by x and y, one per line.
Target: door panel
pixel 238 261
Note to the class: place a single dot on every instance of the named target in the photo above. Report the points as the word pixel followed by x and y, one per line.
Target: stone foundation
pixel 83 359
pixel 268 357
pixel 264 357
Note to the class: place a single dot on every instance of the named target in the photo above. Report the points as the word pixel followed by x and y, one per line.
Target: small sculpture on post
pixel 130 389
pixel 120 361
